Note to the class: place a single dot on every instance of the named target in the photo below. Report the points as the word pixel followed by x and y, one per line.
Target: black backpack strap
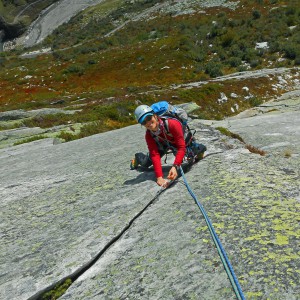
pixel 166 124
pixel 187 132
pixel 162 144
pixel 156 138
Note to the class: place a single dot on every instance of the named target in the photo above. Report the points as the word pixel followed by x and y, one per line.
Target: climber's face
pixel 151 123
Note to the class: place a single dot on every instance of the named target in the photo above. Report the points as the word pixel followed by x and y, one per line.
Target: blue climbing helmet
pixel 142 111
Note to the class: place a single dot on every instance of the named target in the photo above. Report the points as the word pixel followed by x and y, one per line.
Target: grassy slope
pixel 153 54
pixel 7 11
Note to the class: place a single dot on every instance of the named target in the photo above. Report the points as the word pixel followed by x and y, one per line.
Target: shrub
pixel 86 49
pixel 255 150
pixel 140 58
pixel 227 132
pixel 197 54
pixel 92 62
pixel 297 60
pixel 67 136
pixel 213 69
pixel 255 63
pixel 261 52
pixel 234 61
pixel 227 39
pixel 185 44
pixel 287 153
pixel 30 139
pixel 244 44
pixel 290 11
pixel 132 89
pixel 77 69
pixel 241 68
pixel 236 52
pixel 254 101
pixel 256 14
pixel 234 23
pixel 103 46
pixel 62 55
pixel 250 55
pixel 291 51
pixel 92 128
pixel 291 21
pixel 274 46
pixel 47 121
pixel 222 54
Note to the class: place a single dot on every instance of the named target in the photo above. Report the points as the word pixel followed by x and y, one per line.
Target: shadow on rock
pixel 148 174
pixel 145 174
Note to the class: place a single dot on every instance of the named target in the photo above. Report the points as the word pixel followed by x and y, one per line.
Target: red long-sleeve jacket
pixel 174 137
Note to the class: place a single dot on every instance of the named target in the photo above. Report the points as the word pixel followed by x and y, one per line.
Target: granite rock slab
pixel 62 204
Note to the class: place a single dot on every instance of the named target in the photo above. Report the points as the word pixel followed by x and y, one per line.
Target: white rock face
pixel 263 45
pixel 223 98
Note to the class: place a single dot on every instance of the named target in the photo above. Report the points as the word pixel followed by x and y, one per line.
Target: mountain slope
pixel 115 53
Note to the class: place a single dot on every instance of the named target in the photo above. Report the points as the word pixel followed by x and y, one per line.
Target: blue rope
pixel 227 266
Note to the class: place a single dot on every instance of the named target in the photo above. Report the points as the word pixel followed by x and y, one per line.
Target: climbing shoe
pixel 133 164
pixel 199 156
pixel 140 159
pixel 143 160
pixel 190 157
pixel 199 150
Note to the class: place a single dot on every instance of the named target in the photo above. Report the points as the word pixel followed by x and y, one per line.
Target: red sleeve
pixel 154 155
pixel 175 128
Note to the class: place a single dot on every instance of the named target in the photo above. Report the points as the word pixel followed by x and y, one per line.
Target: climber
pixel 162 134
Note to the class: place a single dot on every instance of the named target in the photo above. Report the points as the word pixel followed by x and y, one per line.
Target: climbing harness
pixel 166 147
pixel 227 266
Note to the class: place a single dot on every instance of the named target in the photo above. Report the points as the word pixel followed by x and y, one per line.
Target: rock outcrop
pixel 63 204
pixel 9 119
pixel 11 30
